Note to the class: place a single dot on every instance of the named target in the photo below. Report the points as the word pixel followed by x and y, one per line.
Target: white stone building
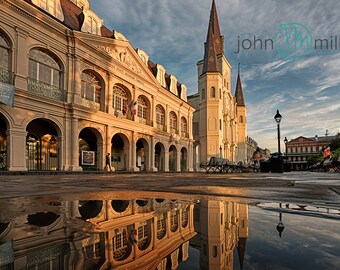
pixel 82 91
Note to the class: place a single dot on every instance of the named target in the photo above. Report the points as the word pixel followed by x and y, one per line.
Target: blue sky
pixel 306 91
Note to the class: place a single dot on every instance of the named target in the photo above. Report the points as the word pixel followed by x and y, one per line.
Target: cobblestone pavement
pixel 300 187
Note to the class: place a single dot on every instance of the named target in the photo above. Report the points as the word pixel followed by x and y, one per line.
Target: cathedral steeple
pixel 210 59
pixel 238 91
pixel 214 42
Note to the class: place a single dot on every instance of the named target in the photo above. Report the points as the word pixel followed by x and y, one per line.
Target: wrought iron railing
pixel 90 104
pixel 46 90
pixel 6 76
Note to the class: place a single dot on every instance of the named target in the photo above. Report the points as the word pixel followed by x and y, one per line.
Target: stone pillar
pixel 16 145
pixel 21 59
pixel 190 157
pixel 153 112
pixel 166 120
pixel 101 155
pixel 109 95
pixel 75 146
pixel 77 81
pixel 178 159
pixel 133 167
pixel 166 159
pixel 152 156
pixel 61 160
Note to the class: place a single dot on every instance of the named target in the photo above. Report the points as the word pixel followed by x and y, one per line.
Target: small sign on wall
pixel 87 157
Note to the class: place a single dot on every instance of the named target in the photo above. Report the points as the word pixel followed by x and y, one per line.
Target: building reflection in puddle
pixel 96 234
pixel 42 233
pixel 221 227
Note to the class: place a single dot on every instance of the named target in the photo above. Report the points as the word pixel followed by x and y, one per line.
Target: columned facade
pixel 79 95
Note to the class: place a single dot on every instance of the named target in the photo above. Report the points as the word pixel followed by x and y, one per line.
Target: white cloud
pixel 173 34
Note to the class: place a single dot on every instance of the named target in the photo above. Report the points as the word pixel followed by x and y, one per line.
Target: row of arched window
pixel 45 77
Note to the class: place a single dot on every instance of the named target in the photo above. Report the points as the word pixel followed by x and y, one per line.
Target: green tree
pixel 314 159
pixel 335 144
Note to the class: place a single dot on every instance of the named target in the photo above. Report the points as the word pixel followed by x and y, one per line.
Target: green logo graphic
pixel 293 41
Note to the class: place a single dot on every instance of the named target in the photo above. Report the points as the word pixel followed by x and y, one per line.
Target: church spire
pixel 218 39
pixel 210 59
pixel 214 42
pixel 239 91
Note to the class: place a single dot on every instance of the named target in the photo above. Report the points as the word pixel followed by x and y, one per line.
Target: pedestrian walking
pixel 108 162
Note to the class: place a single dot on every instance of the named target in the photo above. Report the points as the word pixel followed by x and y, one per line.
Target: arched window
pixel 119 99
pixel 160 117
pixel 5 63
pixel 142 109
pixel 44 68
pixel 173 122
pixel 220 93
pixel 184 127
pixel 90 89
pixel 45 75
pixel 212 92
pixel 203 94
pixel 241 119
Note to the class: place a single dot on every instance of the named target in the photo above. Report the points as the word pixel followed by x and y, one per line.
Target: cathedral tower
pixel 215 129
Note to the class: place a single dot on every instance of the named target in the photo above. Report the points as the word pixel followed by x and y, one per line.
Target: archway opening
pixel 142 153
pixel 90 209
pixel 120 205
pixel 159 156
pixel 88 150
pixel 172 159
pixel 42 146
pixel 42 219
pixel 118 152
pixel 184 157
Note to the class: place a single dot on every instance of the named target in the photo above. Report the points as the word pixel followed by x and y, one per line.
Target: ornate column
pixel 75 146
pixel 61 158
pixel 133 167
pixel 109 95
pixel 21 59
pixel 153 114
pixel 178 158
pixel 166 158
pixel 152 155
pixel 16 145
pixel 166 120
pixel 190 157
pixel 77 81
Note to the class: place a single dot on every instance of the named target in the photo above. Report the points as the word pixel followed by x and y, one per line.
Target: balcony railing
pixel 6 76
pixel 90 104
pixel 46 90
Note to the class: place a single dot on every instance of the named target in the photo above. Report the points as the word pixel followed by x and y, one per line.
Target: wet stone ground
pixel 170 221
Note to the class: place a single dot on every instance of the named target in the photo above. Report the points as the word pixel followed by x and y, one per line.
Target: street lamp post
pixel 278 118
pixel 276 163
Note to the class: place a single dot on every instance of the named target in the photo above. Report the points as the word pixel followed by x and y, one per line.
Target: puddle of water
pixel 158 233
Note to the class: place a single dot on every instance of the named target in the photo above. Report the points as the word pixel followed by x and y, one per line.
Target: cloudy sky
pixel 304 88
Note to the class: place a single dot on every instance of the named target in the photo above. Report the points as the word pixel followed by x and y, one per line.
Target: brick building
pixel 299 149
